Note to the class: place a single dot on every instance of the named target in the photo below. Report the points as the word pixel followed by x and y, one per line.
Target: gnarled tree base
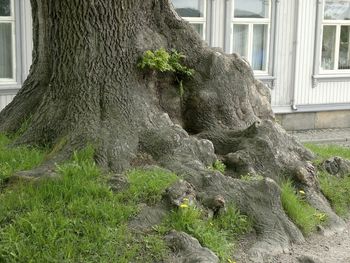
pixel 84 87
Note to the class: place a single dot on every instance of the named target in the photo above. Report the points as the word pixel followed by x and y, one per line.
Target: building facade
pixel 299 48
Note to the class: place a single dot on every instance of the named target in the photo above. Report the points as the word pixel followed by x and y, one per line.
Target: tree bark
pixel 84 87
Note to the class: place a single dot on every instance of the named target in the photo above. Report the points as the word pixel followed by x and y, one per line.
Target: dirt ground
pixel 322 249
pixel 318 248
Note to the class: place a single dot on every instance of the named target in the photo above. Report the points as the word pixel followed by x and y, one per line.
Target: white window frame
pixel 11 19
pixel 251 22
pixel 337 24
pixel 319 74
pixel 200 20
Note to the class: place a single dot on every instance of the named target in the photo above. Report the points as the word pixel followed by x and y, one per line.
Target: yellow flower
pixel 184 206
pixel 301 192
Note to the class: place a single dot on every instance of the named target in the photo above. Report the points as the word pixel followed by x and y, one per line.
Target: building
pixel 299 48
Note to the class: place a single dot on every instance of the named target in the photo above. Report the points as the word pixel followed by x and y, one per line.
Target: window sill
pixel 269 80
pixel 329 78
pixel 9 87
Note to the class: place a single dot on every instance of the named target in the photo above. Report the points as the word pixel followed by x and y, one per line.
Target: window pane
pixel 252 8
pixel 5 8
pixel 199 28
pixel 240 40
pixel 260 38
pixel 5 50
pixel 189 8
pixel 328 47
pixel 337 10
pixel 344 48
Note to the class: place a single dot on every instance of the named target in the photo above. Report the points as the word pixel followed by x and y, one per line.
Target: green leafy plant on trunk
pixel 163 61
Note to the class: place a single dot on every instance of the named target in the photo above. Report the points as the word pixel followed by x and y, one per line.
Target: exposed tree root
pixel 85 88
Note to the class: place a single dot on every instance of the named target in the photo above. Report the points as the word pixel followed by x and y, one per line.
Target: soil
pixel 325 249
pixel 318 248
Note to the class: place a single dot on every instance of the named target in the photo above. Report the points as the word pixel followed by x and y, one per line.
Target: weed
pixel 219 166
pixel 336 190
pixel 13 159
pixel 163 61
pixel 149 185
pixel 74 218
pixel 24 127
pixel 300 212
pixel 326 151
pixel 233 221
pixel 217 234
pixel 249 177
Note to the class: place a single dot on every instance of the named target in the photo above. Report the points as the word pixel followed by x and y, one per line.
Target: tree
pixel 84 87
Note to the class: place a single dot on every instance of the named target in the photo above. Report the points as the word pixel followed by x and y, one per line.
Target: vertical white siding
pixel 217 23
pixel 327 93
pixel 24 52
pixel 26 36
pixel 5 99
pixel 298 88
pixel 282 92
pixel 305 50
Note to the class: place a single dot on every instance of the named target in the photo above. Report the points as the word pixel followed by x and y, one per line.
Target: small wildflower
pixel 301 192
pixel 184 206
pixel 321 216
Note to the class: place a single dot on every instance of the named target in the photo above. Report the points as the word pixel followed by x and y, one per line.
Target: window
pixel 335 51
pixel 193 11
pixel 250 32
pixel 7 42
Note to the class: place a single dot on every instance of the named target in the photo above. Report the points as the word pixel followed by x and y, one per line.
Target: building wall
pixel 281 92
pixel 293 89
pixel 23 32
pixel 6 98
pixel 295 82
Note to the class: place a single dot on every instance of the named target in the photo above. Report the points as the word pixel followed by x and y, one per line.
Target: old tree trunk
pixel 85 87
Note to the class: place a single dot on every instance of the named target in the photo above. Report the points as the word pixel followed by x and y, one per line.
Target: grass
pixel 299 211
pixel 17 159
pixel 324 152
pixel 217 234
pixel 336 190
pixel 76 217
pixel 148 185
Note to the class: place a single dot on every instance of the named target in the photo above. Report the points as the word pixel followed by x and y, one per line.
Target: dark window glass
pixel 5 8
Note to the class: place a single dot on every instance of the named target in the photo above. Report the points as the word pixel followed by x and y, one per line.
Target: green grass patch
pixel 77 218
pixel 324 152
pixel 299 211
pixel 148 185
pixel 13 159
pixel 336 190
pixel 217 234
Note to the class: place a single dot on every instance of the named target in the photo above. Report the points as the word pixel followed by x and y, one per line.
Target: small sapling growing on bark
pixel 163 61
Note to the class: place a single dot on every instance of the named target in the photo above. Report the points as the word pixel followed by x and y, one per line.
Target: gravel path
pixel 320 249
pixel 327 136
